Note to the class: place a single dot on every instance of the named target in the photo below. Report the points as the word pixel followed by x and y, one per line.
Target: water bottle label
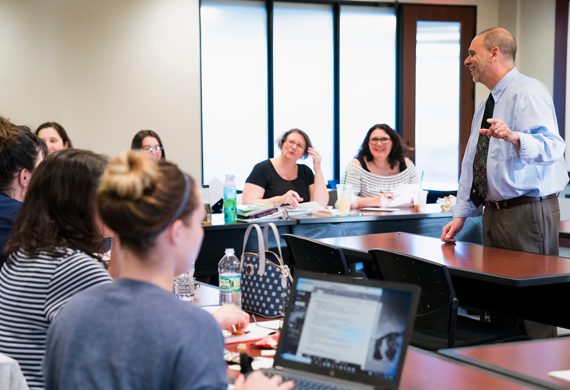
pixel 230 284
pixel 230 211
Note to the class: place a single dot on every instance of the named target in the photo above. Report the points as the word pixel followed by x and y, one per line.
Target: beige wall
pixel 533 25
pixel 106 69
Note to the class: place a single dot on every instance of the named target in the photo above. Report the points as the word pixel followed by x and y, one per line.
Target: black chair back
pixel 314 256
pixel 438 305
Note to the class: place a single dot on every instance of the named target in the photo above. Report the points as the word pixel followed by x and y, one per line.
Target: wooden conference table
pixel 523 284
pixel 428 371
pixel 219 236
pixel 530 361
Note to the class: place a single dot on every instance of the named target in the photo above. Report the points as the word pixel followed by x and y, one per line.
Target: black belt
pixel 508 203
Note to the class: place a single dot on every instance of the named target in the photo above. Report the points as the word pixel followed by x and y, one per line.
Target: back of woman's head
pixel 59 208
pixel 19 149
pixel 60 130
pixel 139 197
pixel 137 142
pixel 397 152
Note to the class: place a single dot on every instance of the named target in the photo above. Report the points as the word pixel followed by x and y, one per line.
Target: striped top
pixel 367 184
pixel 32 291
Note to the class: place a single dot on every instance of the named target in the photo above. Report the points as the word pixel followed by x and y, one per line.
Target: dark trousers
pixel 531 227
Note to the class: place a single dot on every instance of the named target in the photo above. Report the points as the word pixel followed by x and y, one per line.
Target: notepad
pixel 564 375
pixel 256 333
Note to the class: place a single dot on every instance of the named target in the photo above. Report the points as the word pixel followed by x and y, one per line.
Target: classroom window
pixel 436 92
pixel 334 70
pixel 303 76
pixel 437 100
pixel 234 88
pixel 367 74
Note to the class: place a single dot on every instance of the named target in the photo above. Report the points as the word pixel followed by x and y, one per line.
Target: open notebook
pixel 346 333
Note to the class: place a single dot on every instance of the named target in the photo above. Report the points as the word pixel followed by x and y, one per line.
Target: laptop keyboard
pixel 307 384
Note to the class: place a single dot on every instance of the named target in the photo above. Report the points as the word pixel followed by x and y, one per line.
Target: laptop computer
pixel 345 333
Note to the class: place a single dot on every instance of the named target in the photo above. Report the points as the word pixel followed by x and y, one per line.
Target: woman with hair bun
pixel 135 333
pixel 53 255
pixel 20 153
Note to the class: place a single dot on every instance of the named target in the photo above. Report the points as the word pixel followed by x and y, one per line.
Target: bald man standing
pixel 513 164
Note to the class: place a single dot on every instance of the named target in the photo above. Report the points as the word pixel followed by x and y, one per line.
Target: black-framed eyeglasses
pixel 150 148
pixel 374 141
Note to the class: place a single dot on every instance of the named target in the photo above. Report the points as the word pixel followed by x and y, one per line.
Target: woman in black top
pixel 281 180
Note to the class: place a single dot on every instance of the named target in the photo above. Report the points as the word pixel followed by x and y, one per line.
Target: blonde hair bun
pixel 130 175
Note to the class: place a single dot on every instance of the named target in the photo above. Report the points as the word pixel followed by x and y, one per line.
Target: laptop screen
pixel 346 328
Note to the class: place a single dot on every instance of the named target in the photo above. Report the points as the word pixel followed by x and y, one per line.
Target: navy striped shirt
pixel 32 291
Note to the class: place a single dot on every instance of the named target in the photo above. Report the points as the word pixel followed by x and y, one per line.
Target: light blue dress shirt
pixel 538 168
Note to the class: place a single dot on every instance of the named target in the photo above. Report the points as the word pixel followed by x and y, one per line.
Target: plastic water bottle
pixel 230 211
pixel 184 285
pixel 229 270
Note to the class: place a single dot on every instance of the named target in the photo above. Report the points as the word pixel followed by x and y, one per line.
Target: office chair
pixel 437 323
pixel 310 255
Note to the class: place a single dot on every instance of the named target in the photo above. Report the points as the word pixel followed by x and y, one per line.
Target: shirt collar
pixel 497 92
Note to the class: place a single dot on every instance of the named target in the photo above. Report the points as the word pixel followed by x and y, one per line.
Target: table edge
pixel 452 353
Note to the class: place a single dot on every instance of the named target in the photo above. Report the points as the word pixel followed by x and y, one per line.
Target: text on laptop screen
pixel 353 328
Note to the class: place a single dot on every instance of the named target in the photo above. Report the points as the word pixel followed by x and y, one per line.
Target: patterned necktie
pixel 479 186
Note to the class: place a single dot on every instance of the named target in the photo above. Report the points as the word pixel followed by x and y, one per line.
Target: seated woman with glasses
pixel 279 181
pixel 150 141
pixel 135 333
pixel 379 168
pixel 53 255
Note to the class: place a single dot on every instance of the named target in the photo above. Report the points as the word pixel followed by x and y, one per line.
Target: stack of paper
pixel 304 209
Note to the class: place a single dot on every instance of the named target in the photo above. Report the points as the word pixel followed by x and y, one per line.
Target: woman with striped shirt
pixel 380 167
pixel 54 254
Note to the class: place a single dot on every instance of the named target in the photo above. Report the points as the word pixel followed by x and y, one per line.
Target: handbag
pixel 265 280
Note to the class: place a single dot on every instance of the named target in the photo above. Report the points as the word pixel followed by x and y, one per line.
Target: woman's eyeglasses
pixel 291 142
pixel 374 141
pixel 150 149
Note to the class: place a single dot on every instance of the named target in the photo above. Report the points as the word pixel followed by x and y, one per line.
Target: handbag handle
pixel 286 272
pixel 277 239
pixel 260 247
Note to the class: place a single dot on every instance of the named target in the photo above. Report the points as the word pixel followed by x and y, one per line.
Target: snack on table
pixel 447 202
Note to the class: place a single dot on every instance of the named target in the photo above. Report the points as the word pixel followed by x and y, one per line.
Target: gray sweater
pixel 134 335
